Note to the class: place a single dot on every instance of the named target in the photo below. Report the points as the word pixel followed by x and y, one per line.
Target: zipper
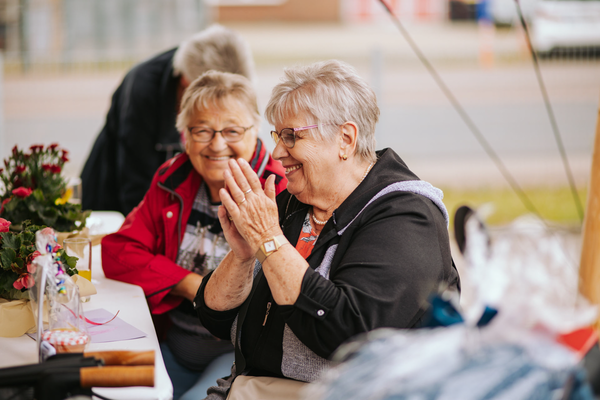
pixel 267 313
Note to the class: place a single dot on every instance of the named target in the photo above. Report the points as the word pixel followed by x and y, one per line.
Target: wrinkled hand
pixel 253 211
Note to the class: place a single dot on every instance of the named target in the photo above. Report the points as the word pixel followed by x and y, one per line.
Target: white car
pixel 504 12
pixel 565 24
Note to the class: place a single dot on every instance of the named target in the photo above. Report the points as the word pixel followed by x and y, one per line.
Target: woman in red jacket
pixel 174 237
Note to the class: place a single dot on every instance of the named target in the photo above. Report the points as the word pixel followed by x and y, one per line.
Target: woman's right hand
pixel 241 249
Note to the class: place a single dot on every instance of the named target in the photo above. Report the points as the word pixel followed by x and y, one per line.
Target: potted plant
pixel 17 252
pixel 35 190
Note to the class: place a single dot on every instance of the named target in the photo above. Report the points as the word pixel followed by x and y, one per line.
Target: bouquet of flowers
pixel 35 190
pixel 17 252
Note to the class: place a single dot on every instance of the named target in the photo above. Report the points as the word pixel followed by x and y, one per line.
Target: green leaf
pixel 7 256
pixel 11 242
pixel 71 261
pixel 11 205
pixel 38 195
pixel 14 294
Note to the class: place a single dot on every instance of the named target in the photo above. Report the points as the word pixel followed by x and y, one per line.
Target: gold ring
pixel 243 200
pixel 247 191
pixel 230 218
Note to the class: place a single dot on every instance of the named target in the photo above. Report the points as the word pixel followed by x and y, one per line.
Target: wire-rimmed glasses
pixel 203 134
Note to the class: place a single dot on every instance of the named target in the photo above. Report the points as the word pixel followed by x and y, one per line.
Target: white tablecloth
pixel 113 296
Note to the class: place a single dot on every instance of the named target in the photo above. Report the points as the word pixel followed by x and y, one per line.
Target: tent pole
pixel 589 269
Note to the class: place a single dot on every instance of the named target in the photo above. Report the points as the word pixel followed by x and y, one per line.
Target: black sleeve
pixel 217 322
pixel 392 261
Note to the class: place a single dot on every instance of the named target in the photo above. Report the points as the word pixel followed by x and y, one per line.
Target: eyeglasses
pixel 232 134
pixel 288 135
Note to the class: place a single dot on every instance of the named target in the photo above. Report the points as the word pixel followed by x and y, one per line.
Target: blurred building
pixel 67 34
pixel 327 10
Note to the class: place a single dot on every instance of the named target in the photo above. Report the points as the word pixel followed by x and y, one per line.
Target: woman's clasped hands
pixel 248 214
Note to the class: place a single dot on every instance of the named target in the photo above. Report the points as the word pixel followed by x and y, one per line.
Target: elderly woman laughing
pixel 356 242
pixel 173 237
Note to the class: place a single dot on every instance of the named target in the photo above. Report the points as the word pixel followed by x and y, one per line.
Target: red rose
pixel 53 146
pixel 15 150
pixel 4 224
pixel 64 158
pixel 47 167
pixel 34 148
pixel 20 169
pixel 22 192
pixel 25 281
pixel 55 169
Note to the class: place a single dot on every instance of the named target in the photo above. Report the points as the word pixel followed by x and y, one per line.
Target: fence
pixel 66 34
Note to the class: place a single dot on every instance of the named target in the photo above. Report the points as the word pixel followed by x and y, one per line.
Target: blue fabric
pixel 219 368
pixel 189 384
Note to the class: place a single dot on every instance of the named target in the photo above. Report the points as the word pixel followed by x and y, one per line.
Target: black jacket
pixel 140 125
pixel 388 261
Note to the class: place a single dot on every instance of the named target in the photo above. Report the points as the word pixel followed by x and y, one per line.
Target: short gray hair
pixel 213 88
pixel 331 92
pixel 215 48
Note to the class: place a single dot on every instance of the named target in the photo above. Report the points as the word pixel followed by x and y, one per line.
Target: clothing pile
pixel 511 339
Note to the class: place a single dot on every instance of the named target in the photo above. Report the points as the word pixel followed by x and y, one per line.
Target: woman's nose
pixel 218 142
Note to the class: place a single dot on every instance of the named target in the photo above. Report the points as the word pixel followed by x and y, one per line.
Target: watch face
pixel 270 246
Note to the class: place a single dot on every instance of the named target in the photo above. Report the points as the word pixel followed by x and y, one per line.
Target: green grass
pixel 554 204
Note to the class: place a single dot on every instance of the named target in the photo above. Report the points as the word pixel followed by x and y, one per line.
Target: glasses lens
pixel 233 134
pixel 202 134
pixel 275 137
pixel 289 137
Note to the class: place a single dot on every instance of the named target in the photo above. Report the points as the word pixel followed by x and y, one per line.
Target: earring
pixel 344 157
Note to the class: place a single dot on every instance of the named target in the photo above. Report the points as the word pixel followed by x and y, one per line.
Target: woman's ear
pixel 348 137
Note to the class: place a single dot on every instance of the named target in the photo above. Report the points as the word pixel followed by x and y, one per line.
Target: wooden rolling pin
pixel 116 376
pixel 123 357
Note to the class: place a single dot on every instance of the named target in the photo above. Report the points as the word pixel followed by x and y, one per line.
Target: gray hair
pixel 213 88
pixel 329 93
pixel 215 48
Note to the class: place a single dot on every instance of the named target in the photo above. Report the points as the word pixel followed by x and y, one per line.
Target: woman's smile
pixel 219 158
pixel 292 168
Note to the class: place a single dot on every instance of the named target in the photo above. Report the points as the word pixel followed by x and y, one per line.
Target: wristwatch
pixel 270 246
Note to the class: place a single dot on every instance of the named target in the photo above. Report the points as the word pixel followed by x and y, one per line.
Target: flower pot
pixel 16 318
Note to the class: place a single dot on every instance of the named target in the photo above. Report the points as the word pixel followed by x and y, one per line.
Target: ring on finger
pixel 230 218
pixel 243 200
pixel 247 191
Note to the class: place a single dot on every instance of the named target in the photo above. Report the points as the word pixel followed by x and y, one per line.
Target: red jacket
pixel 144 250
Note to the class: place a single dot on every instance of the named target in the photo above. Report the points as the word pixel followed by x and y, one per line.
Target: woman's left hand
pixel 253 211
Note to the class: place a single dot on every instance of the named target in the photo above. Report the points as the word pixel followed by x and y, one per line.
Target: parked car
pixel 560 24
pixel 504 12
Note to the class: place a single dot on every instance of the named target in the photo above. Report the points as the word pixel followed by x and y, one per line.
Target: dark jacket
pixel 391 255
pixel 144 250
pixel 140 124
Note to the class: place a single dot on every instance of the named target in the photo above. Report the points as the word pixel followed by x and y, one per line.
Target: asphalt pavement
pixel 488 71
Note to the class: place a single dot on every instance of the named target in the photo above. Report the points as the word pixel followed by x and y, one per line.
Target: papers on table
pixel 115 330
